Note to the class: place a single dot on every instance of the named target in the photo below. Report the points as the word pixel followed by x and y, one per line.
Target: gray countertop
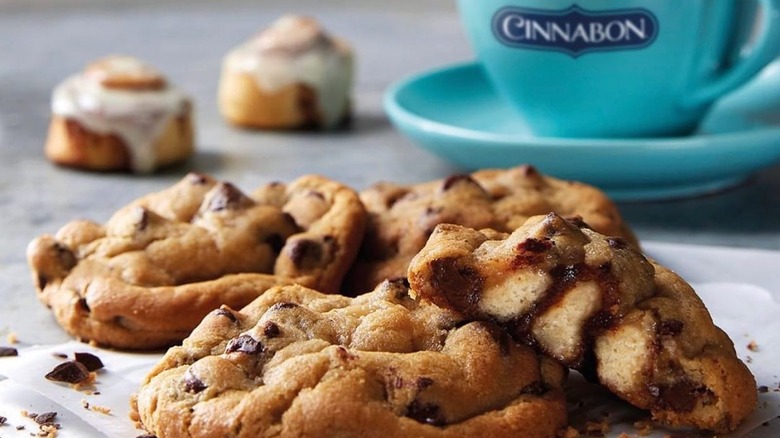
pixel 43 42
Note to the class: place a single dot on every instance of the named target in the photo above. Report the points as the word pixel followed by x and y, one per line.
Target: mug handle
pixel 764 51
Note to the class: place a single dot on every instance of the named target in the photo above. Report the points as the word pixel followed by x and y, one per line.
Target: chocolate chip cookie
pixel 402 217
pixel 594 303
pixel 147 277
pixel 296 362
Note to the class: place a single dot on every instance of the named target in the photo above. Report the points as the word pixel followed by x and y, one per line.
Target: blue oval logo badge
pixel 574 30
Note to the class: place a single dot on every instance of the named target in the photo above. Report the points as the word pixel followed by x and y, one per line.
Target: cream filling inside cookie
pixel 138 117
pixel 513 296
pixel 559 329
pixel 291 52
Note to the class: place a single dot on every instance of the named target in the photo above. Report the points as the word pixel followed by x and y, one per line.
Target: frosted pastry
pixel 292 75
pixel 119 114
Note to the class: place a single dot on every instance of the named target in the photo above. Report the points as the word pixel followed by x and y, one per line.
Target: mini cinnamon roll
pixel 119 114
pixel 292 75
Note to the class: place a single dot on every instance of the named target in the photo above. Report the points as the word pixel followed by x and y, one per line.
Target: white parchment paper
pixel 749 311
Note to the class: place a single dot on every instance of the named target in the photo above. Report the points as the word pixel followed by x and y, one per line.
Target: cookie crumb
pixel 569 432
pixel 752 346
pixel 643 427
pixel 748 359
pixel 596 428
pixel 11 338
pixel 101 409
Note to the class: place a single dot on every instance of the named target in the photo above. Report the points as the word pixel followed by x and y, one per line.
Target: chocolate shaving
pixel 2 420
pixel 46 418
pixel 8 352
pixel 89 360
pixel 69 372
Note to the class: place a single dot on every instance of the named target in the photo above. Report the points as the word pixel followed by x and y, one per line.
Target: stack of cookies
pixel 448 308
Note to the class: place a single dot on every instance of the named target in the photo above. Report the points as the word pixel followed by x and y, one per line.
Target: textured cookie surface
pixel 299 363
pixel 401 218
pixel 147 277
pixel 593 303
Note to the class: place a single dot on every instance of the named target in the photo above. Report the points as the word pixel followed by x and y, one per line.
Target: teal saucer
pixel 454 113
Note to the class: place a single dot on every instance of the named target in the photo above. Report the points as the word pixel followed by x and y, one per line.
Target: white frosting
pixel 295 50
pixel 138 117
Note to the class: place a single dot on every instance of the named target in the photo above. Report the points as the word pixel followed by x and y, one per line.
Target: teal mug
pixel 619 68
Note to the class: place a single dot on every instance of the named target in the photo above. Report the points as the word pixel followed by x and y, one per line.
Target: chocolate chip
pixel 244 344
pixel 8 352
pixel 276 242
pixel 528 170
pixel 617 242
pixel 424 382
pixel 455 179
pixel 226 196
pixel 535 388
pixel 46 418
pixel 192 383
pixel 69 372
pixel 227 314
pixel 534 245
pixel 60 355
pixel 271 330
pixel 763 389
pixel 82 304
pixel 670 327
pixel 577 221
pixel 530 252
pixel 42 281
pixel 680 396
pixel 146 435
pixel 565 273
pixel 426 413
pixel 196 178
pixel 307 253
pixel 2 420
pixel 90 361
pixel 601 320
pixel 461 285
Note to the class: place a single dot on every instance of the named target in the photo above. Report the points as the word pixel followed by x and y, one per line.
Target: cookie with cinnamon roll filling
pixel 593 303
pixel 299 363
pixel 147 277
pixel 402 217
pixel 292 75
pixel 119 114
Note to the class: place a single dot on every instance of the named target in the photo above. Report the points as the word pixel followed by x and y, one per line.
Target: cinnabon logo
pixel 574 30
